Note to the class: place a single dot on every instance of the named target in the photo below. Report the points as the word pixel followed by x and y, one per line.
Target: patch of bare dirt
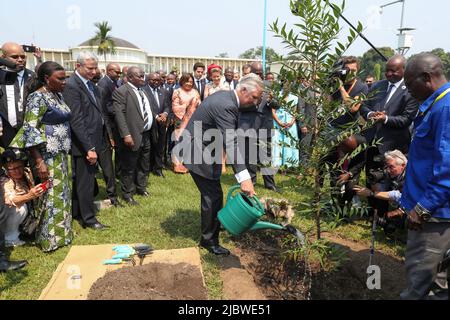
pixel 278 278
pixel 154 281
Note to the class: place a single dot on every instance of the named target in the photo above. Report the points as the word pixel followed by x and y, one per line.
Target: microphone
pixel 7 63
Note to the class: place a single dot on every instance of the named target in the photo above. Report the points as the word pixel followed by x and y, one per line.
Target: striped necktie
pixel 144 110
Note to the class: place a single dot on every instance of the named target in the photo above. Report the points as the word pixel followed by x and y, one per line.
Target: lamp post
pixel 404 39
pixel 264 38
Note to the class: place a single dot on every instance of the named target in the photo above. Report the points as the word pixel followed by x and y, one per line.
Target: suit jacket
pixel 401 110
pixel 164 104
pixel 9 131
pixel 203 84
pixel 220 111
pixel 87 122
pixel 128 116
pixel 107 87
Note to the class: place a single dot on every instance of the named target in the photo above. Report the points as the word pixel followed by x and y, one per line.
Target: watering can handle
pixel 231 191
pixel 257 203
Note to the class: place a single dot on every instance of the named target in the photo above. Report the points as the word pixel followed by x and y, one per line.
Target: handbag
pixel 28 228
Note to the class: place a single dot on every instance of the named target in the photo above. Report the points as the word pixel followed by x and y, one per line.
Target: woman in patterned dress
pixel 184 103
pixel 46 134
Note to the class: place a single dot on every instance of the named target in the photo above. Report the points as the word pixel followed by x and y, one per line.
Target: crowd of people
pixel 129 125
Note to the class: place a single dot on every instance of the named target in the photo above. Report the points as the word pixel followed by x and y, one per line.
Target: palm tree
pixel 104 41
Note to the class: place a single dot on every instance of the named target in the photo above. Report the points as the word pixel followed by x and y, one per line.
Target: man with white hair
pixel 218 114
pixel 89 136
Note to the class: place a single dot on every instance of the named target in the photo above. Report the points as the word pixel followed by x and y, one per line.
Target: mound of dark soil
pixel 151 282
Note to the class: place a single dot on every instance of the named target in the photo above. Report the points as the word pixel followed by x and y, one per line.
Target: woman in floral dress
pixel 46 134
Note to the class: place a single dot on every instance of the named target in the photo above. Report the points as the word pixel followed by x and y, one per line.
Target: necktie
pixel 91 90
pixel 199 86
pixel 144 110
pixel 155 93
pixel 388 95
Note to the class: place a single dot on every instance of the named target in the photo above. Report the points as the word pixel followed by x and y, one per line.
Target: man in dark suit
pixel 257 122
pixel 161 104
pixel 137 127
pixel 108 84
pixel 219 112
pixel 229 78
pixel 170 86
pixel 200 82
pixel 392 109
pixel 12 104
pixel 89 136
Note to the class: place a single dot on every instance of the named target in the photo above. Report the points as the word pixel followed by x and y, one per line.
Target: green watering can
pixel 242 214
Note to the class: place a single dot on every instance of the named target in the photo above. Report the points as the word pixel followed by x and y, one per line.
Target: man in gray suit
pixel 136 124
pixel 258 124
pixel 218 113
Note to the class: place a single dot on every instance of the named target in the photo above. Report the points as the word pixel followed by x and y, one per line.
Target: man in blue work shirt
pixel 426 194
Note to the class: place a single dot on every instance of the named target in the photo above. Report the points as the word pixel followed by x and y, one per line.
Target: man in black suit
pixel 219 112
pixel 89 136
pixel 392 109
pixel 257 122
pixel 137 127
pixel 229 78
pixel 200 82
pixel 161 104
pixel 108 84
pixel 12 104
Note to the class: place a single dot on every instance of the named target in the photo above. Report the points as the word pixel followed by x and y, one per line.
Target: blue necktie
pixel 91 90
pixel 391 87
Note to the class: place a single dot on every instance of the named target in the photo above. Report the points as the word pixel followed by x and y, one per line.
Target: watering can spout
pixel 261 225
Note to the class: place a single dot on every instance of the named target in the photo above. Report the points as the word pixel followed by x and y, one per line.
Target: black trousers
pixel 157 159
pixel 105 161
pixel 261 148
pixel 83 188
pixel 135 167
pixel 211 203
pixel 375 161
pixel 2 222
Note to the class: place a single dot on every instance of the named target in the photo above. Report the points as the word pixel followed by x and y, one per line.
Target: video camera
pixel 340 71
pixel 8 73
pixel 389 225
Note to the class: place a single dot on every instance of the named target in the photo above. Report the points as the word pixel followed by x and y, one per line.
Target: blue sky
pixel 208 27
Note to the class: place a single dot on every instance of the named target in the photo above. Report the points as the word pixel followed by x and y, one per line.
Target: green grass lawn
pixel 169 219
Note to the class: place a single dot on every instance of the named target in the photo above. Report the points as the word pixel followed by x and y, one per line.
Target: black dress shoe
pixel 143 193
pixel 159 173
pixel 6 265
pixel 115 202
pixel 131 201
pixel 217 250
pixel 96 226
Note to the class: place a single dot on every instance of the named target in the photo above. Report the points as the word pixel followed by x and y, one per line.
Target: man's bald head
pixel 424 75
pixel 136 76
pixel 257 68
pixel 395 68
pixel 113 71
pixel 14 53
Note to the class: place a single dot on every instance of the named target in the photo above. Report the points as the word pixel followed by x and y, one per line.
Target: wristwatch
pixel 423 213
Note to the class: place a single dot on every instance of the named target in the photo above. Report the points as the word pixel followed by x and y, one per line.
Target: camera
pixel 340 71
pixel 31 49
pixel 389 225
pixel 376 176
pixel 8 73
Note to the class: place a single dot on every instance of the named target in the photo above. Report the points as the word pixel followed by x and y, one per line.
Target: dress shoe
pixel 131 202
pixel 96 226
pixel 217 250
pixel 115 202
pixel 6 265
pixel 159 173
pixel 143 193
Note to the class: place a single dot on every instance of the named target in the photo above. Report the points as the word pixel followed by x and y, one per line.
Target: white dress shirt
pixel 143 105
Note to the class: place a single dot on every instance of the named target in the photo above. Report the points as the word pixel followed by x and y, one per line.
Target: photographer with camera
pixel 12 95
pixel 351 89
pixel 392 180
